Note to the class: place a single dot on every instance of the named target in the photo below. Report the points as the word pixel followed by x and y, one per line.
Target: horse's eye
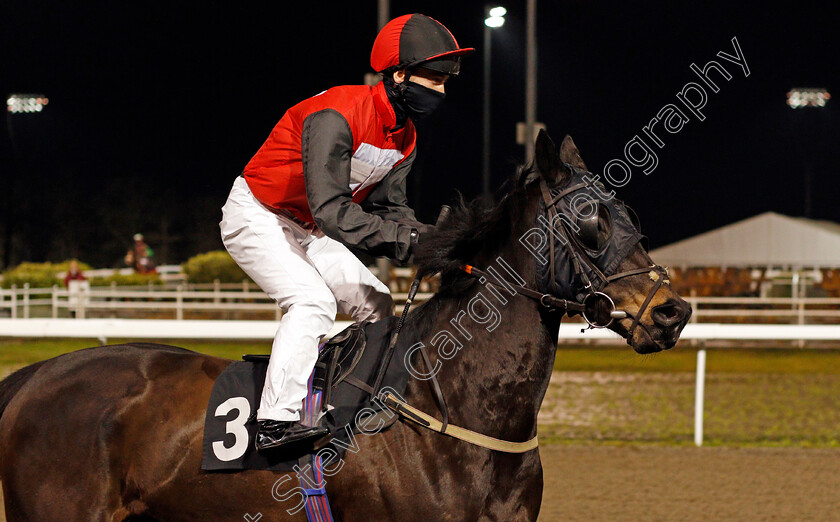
pixel 595 226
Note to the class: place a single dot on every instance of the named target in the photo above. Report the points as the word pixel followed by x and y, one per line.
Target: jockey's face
pixel 426 77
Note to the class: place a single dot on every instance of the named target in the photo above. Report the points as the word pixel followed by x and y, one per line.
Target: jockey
pixel 332 175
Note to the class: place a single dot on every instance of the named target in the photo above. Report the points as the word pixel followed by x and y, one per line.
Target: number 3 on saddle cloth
pixel 339 398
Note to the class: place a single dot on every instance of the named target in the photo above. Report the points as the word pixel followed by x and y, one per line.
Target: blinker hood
pixel 620 243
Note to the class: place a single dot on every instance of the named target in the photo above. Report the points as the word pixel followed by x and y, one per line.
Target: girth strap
pixel 427 421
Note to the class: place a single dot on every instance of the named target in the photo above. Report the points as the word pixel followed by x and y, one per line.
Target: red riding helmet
pixel 415 39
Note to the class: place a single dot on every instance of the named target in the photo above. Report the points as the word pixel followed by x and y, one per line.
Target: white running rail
pixel 103 329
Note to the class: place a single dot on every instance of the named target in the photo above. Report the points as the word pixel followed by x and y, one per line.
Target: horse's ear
pixel 570 154
pixel 547 161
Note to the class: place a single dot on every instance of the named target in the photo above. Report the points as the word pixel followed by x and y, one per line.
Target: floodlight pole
pixel 8 196
pixel 384 13
pixel 530 79
pixel 495 17
pixel 15 103
pixel 808 191
pixel 383 264
pixel 806 99
pixel 485 159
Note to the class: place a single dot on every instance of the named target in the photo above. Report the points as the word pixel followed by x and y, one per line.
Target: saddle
pixel 345 374
pixel 340 387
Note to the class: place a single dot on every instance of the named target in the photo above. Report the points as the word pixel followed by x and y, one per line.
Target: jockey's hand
pixel 420 233
pixel 422 248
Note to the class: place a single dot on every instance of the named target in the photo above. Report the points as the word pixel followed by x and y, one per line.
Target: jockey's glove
pixel 420 233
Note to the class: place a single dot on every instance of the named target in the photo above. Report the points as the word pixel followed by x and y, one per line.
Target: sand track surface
pixel 597 482
pixel 632 482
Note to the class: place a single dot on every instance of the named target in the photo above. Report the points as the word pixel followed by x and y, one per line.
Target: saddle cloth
pixel 346 363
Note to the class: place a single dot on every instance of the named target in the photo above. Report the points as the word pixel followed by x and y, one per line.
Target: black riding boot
pixel 272 434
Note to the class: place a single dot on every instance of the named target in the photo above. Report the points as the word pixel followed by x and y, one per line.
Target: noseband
pixel 589 305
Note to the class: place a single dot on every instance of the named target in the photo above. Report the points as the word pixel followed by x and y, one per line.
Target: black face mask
pixel 410 99
pixel 420 101
pixel 394 92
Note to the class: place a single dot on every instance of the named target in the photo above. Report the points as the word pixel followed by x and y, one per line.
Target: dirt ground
pixel 596 482
pixel 741 409
pixel 688 483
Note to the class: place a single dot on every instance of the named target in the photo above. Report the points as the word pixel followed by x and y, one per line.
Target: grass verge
pixel 754 397
pixel 17 353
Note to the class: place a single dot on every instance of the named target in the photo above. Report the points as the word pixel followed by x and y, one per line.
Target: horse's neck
pixel 494 355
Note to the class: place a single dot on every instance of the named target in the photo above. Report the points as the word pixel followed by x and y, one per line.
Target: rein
pixel 425 420
pixel 588 308
pixel 546 300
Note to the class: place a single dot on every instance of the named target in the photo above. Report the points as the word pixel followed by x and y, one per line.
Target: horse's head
pixel 583 242
pixel 588 250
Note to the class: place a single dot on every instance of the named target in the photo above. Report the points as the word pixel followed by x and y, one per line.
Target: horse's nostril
pixel 667 314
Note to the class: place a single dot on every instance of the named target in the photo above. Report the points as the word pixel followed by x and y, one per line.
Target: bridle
pixel 589 307
pixel 586 307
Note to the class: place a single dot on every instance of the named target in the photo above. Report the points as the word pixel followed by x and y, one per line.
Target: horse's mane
pixel 471 227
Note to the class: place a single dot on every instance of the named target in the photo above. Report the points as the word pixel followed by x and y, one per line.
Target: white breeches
pixel 310 276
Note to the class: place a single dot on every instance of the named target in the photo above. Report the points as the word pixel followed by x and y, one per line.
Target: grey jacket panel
pixel 388 199
pixel 327 148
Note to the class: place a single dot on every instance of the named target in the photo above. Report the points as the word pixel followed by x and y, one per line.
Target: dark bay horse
pixel 115 433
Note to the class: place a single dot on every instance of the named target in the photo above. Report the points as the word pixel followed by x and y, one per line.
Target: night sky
pixel 155 110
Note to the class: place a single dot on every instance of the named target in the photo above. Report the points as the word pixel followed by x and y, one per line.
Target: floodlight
pixel 494 21
pixel 26 103
pixel 799 97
